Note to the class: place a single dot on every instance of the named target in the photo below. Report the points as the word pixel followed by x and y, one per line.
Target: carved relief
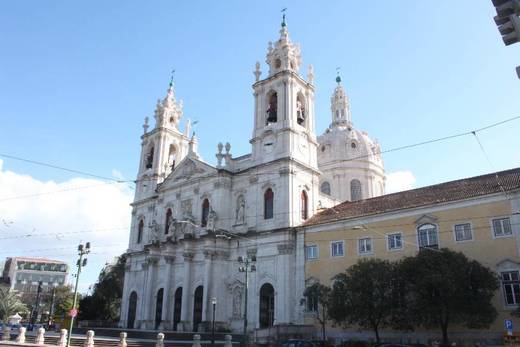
pixel 286 248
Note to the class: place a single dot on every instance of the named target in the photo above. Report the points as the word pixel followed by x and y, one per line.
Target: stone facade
pixel 191 221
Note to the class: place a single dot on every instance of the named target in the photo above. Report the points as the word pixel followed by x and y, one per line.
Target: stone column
pixel 166 316
pixel 186 292
pixel 283 293
pixel 148 294
pixel 208 292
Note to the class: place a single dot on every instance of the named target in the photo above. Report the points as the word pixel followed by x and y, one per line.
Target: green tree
pixel 318 297
pixel 10 304
pixel 105 301
pixel 63 299
pixel 364 295
pixel 445 287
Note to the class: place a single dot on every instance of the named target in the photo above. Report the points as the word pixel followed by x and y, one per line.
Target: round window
pixel 353 145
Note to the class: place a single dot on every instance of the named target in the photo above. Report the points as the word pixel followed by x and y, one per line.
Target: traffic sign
pixel 508 323
pixel 73 312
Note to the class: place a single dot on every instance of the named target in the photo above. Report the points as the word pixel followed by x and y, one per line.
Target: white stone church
pixel 191 221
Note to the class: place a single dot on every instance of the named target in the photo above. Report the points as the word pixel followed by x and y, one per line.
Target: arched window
pixel 272 108
pixel 268 203
pixel 149 158
pixel 304 205
pixel 325 188
pixel 140 229
pixel 177 306
pixel 168 220
pixel 427 236
pixel 355 190
pixel 337 114
pixel 300 110
pixel 172 156
pixel 205 213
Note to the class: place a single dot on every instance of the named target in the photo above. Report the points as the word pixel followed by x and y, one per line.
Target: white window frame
pixel 417 235
pixel 506 304
pixel 342 242
pixel 316 252
pixel 493 227
pixel 364 241
pixel 388 241
pixel 470 230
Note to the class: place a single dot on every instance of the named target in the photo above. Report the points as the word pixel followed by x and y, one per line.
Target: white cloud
pixel 399 181
pixel 77 210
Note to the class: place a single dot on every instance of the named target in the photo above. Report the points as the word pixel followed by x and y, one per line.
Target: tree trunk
pixel 323 322
pixel 376 330
pixel 444 328
pixel 323 331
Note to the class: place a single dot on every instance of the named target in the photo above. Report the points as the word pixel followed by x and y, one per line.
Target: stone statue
pixel 154 231
pixel 212 218
pixel 171 223
pixel 310 74
pixel 240 213
pixel 257 71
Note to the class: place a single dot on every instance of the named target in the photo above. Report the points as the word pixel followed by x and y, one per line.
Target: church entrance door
pixel 177 305
pixel 132 307
pixel 266 306
pixel 197 307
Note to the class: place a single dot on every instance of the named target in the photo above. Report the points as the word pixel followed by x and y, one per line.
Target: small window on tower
pixel 300 109
pixel 353 145
pixel 277 63
pixel 272 108
pixel 149 158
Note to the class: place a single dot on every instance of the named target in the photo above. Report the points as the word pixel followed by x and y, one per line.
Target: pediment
pixel 188 169
pixel 508 264
pixel 425 219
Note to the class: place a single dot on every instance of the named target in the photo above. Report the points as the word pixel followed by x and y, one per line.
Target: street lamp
pixel 83 250
pixel 214 304
pixel 247 265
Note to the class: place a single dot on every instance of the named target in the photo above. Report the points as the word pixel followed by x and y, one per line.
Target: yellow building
pixel 479 216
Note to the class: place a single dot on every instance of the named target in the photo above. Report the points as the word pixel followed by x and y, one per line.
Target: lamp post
pixel 214 304
pixel 247 265
pixel 83 250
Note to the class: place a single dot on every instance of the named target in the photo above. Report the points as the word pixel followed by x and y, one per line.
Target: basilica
pixel 228 237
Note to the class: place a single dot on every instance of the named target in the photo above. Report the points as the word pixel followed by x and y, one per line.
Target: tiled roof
pixel 502 181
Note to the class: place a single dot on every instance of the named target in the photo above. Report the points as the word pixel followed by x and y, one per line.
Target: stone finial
pixel 160 340
pixel 6 333
pixel 40 337
pixel 21 335
pixel 257 71
pixel 196 340
pixel 62 342
pixel 122 339
pixel 145 125
pixel 227 342
pixel 219 147
pixel 310 74
pixel 228 147
pixel 89 339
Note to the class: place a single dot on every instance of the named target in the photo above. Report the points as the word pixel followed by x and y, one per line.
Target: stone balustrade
pixel 89 339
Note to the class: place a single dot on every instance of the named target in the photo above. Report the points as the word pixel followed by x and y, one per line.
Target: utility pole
pixel 247 266
pixel 82 251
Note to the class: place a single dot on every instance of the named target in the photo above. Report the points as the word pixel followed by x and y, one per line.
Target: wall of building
pixel 497 253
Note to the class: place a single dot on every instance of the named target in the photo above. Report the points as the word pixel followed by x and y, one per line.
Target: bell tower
pixel 163 147
pixel 284 106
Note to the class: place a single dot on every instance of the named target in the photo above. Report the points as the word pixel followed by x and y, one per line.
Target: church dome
pixel 349 159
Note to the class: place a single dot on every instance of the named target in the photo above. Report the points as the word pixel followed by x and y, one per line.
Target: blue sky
pixel 77 79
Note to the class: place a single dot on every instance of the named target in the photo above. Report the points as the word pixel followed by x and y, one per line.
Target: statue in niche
pixel 240 213
pixel 237 302
pixel 171 223
pixel 300 112
pixel 212 218
pixel 154 231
